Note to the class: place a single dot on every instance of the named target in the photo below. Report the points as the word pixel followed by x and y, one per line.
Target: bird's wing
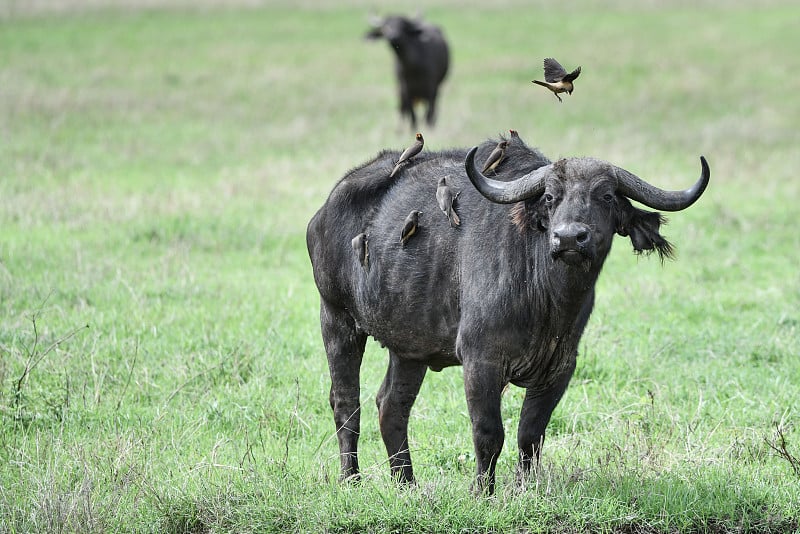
pixel 572 75
pixel 494 156
pixel 404 155
pixel 553 71
pixel 407 227
pixel 444 198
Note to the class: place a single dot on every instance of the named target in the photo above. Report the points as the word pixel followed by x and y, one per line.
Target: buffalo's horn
pixel 637 189
pixel 529 186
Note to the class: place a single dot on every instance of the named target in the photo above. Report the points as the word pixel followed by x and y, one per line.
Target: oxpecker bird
pixel 445 198
pixel 557 79
pixel 514 134
pixel 409 153
pixel 410 226
pixel 495 157
pixel 361 248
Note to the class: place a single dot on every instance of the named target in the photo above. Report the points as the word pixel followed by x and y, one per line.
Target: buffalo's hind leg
pixel 344 344
pixel 395 399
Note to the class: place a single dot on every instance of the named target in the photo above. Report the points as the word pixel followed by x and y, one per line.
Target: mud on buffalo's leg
pixel 344 345
pixel 395 399
pixel 483 384
pixel 536 411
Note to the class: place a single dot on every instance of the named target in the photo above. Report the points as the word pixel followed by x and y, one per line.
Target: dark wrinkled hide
pixel 498 295
pixel 421 62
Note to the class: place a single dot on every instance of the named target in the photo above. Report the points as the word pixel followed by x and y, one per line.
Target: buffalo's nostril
pixel 571 235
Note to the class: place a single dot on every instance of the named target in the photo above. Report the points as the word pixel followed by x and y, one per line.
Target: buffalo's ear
pixel 374 33
pixel 530 214
pixel 643 229
pixel 541 217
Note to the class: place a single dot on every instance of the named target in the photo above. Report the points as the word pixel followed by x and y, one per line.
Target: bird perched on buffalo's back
pixel 446 199
pixel 495 157
pixel 361 248
pixel 410 226
pixel 409 153
pixel 557 79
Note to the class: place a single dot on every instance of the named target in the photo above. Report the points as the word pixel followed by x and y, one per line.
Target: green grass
pixel 158 167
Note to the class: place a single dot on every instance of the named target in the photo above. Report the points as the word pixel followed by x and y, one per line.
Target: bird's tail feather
pixel 454 218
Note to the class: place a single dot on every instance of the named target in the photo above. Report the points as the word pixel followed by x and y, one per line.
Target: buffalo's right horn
pixel 637 189
pixel 529 186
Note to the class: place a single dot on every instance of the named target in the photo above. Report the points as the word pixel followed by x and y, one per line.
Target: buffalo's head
pixel 395 29
pixel 582 202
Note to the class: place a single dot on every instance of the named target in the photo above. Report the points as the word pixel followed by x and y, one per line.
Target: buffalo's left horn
pixel 529 186
pixel 637 189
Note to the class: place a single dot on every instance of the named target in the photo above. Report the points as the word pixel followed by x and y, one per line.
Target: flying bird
pixel 361 248
pixel 496 156
pixel 445 199
pixel 410 226
pixel 409 153
pixel 557 79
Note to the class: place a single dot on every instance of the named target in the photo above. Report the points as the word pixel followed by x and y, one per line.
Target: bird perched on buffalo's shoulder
pixel 557 79
pixel 410 226
pixel 409 153
pixel 361 248
pixel 446 199
pixel 496 156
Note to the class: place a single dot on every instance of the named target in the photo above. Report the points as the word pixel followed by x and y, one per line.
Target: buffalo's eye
pixel 608 197
pixel 548 198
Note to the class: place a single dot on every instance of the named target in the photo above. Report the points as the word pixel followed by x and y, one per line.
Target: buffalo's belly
pixel 411 339
pixel 541 369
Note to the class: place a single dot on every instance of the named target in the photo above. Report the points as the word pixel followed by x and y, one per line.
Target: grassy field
pixel 161 367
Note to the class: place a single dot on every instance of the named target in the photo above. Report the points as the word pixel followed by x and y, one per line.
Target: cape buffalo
pixel 506 294
pixel 421 61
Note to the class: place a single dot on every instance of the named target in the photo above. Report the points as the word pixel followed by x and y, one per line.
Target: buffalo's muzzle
pixel 571 242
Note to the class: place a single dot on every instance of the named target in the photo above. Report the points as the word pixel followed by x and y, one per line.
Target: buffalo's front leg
pixel 430 115
pixel 536 411
pixel 395 399
pixel 407 107
pixel 483 384
pixel 344 345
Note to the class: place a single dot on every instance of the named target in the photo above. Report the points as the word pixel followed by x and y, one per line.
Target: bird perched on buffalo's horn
pixel 496 156
pixel 361 248
pixel 557 79
pixel 409 153
pixel 410 226
pixel 445 199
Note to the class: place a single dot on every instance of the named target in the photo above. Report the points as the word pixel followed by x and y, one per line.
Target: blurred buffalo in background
pixel 421 61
